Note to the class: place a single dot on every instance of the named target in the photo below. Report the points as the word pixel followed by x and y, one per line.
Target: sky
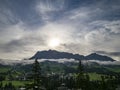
pixel 76 26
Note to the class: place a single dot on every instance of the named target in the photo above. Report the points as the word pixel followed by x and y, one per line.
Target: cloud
pixel 48 9
pixel 82 28
pixel 7 17
pixel 23 41
pixel 24 62
pixel 103 35
pixel 103 62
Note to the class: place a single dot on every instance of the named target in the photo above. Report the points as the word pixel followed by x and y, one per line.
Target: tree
pixel 1 86
pixel 9 86
pixel 80 68
pixel 80 80
pixel 36 75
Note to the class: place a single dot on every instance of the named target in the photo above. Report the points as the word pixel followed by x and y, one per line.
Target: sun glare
pixel 54 42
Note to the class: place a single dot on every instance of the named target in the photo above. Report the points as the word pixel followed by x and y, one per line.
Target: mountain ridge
pixel 53 54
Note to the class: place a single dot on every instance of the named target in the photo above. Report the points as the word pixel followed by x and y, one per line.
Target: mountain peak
pixel 95 56
pixel 53 54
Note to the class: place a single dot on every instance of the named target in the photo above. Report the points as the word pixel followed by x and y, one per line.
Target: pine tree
pixel 36 75
pixel 80 76
pixel 80 68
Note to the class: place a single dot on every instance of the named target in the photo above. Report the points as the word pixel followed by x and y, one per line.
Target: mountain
pixel 53 54
pixel 95 56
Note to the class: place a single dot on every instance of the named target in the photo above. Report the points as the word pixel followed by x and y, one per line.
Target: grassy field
pixel 115 69
pixel 2 69
pixel 94 76
pixel 16 83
